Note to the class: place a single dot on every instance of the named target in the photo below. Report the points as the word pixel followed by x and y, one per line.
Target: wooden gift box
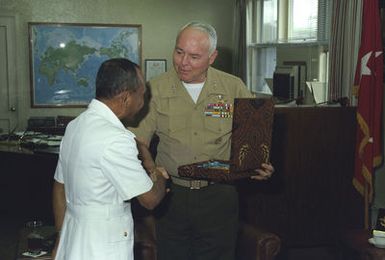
pixel 250 143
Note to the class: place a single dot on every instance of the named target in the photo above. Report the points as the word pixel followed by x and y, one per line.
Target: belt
pixel 190 183
pixel 99 211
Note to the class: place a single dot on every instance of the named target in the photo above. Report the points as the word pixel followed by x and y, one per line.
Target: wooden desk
pixel 355 246
pixel 310 199
pixel 26 184
pixel 48 233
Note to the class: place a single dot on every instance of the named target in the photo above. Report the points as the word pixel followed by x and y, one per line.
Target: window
pixel 302 22
pixel 287 33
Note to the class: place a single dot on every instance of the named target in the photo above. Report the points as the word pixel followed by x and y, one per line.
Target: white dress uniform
pixel 100 169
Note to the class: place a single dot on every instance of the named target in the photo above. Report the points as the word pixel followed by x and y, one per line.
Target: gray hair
pixel 206 28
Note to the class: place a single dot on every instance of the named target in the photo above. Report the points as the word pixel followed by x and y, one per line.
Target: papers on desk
pixel 43 139
pixel 31 138
pixel 317 91
pixel 34 255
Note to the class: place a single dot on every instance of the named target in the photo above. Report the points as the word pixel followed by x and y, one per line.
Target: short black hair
pixel 115 76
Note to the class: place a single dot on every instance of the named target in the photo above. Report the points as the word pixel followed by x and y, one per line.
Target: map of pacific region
pixel 66 59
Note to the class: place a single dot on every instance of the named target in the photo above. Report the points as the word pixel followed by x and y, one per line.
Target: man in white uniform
pixel 98 171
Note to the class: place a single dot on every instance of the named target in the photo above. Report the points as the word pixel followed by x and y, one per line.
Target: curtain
pixel 240 44
pixel 344 46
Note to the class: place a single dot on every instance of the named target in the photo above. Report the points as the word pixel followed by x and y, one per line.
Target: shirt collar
pixel 104 111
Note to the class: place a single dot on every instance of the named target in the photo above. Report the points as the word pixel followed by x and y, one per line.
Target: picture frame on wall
pixel 65 57
pixel 154 67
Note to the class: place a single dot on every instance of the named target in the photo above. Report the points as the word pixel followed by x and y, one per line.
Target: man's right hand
pixel 164 174
pixel 152 198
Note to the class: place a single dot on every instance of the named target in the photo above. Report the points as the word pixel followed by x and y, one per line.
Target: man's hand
pixel 264 173
pixel 152 198
pixel 54 250
pixel 163 171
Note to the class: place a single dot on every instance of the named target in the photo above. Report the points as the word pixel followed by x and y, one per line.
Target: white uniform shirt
pixel 100 169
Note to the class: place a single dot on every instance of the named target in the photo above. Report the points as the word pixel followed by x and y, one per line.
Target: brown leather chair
pixel 256 244
pixel 252 244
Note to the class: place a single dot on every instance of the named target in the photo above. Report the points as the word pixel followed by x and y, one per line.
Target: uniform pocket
pixel 218 125
pixel 214 124
pixel 172 123
pixel 120 229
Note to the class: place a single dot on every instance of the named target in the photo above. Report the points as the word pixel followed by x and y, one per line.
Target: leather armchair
pixel 252 244
pixel 256 244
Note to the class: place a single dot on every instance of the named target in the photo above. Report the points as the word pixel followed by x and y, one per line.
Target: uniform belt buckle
pixel 195 185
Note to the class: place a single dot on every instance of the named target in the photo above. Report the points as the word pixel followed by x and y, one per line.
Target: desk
pixel 49 234
pixel 26 184
pixel 310 200
pixel 355 246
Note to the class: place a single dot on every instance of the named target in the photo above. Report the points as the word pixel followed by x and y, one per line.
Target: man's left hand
pixel 264 173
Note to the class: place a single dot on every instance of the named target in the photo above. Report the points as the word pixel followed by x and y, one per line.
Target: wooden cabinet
pixel 310 199
pixel 26 184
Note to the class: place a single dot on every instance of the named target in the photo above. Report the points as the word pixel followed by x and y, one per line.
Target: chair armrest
pixel 256 244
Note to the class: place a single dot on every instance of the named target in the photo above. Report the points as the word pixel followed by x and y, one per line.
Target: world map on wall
pixel 65 59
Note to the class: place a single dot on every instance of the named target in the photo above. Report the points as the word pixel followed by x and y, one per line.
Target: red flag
pixel 369 79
